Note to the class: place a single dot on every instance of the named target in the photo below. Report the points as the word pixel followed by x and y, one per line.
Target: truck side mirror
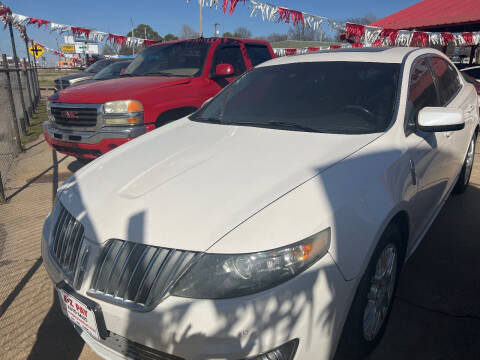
pixel 223 71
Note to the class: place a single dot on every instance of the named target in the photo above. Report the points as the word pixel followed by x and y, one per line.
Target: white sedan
pixel 271 224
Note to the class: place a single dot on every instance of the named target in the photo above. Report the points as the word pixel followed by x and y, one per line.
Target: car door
pixel 425 150
pixel 454 94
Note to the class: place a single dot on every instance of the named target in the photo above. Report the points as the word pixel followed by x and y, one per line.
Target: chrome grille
pixel 67 241
pixel 137 275
pixel 79 116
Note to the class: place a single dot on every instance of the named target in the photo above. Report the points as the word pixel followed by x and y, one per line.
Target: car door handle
pixel 470 108
pixel 448 134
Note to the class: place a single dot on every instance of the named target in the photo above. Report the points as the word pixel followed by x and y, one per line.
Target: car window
pixel 448 81
pixel 337 97
pixel 229 55
pixel 111 71
pixel 258 53
pixel 98 65
pixel 185 58
pixel 421 92
pixel 473 72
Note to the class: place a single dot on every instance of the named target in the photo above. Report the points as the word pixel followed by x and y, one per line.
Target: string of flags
pixel 20 22
pixel 353 33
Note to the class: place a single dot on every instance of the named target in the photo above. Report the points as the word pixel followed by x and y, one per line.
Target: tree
pixel 187 32
pixel 242 32
pixel 275 37
pixel 303 33
pixel 170 37
pixel 142 31
pixel 227 34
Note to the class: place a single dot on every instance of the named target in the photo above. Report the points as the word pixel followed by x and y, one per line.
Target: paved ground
pixel 436 314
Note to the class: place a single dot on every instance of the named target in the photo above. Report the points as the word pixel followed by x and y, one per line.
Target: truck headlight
pixel 123 112
pixel 219 276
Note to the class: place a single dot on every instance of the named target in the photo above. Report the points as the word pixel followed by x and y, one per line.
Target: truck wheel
pixel 368 315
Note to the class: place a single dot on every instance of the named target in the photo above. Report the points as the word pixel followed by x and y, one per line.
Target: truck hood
pixel 187 184
pixel 117 89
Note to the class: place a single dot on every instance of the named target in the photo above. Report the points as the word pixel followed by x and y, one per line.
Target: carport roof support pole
pixel 26 119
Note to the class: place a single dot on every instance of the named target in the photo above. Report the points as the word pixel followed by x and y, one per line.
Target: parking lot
pixel 436 314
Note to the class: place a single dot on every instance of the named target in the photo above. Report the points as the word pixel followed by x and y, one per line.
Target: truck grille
pixel 75 116
pixel 136 275
pixel 67 242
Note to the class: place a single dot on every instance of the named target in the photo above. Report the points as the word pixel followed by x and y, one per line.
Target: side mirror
pixel 435 119
pixel 223 71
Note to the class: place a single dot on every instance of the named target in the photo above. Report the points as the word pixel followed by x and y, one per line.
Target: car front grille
pixel 137 276
pixel 67 242
pixel 84 117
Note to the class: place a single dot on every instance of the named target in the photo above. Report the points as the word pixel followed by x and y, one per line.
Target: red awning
pixel 433 13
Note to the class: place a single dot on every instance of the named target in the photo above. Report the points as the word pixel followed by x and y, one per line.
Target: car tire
pixel 466 172
pixel 360 335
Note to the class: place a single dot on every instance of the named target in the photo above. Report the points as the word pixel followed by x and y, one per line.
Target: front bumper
pixel 311 307
pixel 92 144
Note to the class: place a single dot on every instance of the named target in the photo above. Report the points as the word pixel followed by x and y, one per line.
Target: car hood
pixel 118 89
pixel 187 184
pixel 75 76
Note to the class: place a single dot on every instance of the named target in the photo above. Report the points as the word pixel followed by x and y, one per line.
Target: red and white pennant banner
pixel 354 33
pixel 21 21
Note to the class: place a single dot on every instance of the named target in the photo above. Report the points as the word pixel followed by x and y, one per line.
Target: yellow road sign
pixel 36 50
pixel 67 48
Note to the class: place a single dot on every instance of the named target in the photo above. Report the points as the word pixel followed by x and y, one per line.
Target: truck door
pixel 226 54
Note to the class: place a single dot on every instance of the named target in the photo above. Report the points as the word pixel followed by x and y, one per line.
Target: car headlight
pixel 219 276
pixel 123 112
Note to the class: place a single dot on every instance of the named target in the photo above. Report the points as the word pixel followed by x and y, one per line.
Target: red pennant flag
pixel 39 22
pixel 355 30
pixel 118 39
pixel 81 31
pixel 233 5
pixel 468 37
pixel 285 14
pixel 419 38
pixel 447 38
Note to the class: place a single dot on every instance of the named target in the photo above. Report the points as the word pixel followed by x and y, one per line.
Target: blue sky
pixel 167 16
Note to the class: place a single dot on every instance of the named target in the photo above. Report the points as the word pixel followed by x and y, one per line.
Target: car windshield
pixel 97 66
pixel 111 71
pixel 327 97
pixel 184 58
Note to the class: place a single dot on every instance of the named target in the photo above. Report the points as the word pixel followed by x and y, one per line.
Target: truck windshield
pixel 329 97
pixel 97 66
pixel 184 58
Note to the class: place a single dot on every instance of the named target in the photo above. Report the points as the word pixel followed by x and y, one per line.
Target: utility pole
pixel 133 35
pixel 200 32
pixel 217 32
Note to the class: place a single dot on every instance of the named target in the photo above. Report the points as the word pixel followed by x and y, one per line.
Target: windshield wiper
pixel 213 120
pixel 161 74
pixel 277 124
pixel 128 74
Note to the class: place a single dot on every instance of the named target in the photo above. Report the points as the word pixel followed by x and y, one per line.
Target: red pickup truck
pixel 164 83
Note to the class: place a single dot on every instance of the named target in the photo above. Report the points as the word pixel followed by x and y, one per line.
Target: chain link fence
pixel 18 100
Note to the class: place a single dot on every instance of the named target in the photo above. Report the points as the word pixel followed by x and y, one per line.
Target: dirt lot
pixel 436 314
